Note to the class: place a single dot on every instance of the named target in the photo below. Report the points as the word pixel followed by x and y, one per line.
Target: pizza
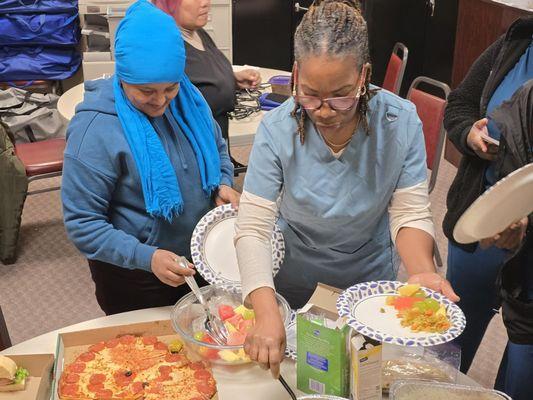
pixel 130 367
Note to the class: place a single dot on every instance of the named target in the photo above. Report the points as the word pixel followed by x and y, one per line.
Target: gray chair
pixel 396 69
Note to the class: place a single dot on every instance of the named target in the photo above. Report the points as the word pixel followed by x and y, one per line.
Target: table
pixel 241 132
pixel 234 383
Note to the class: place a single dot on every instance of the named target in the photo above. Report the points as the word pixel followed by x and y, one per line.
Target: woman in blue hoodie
pixel 144 162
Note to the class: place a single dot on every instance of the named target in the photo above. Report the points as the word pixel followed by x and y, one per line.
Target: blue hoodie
pixel 103 204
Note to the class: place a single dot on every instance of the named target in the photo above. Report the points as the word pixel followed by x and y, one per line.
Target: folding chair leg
pixel 438 258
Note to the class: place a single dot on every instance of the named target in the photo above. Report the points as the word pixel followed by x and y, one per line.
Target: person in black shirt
pixel 207 67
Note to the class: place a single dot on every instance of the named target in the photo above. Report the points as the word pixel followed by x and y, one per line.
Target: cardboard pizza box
pixel 38 384
pixel 70 345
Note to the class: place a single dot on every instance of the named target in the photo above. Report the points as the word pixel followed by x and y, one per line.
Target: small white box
pixel 365 368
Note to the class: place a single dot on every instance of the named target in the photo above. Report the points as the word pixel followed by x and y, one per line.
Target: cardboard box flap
pixel 324 301
pixel 91 336
pixel 326 297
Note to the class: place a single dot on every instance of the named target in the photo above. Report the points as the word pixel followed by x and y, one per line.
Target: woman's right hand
pixel 475 141
pixel 166 266
pixel 265 342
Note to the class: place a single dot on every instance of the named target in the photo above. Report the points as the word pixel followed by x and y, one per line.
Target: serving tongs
pixel 287 387
pixel 213 325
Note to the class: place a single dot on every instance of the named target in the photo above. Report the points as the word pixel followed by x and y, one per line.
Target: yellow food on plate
pixel 418 311
pixel 409 290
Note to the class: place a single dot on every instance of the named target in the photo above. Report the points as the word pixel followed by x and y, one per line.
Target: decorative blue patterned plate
pixel 363 305
pixel 213 252
pixel 290 349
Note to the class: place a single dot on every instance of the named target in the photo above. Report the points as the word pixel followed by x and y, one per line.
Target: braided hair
pixel 336 28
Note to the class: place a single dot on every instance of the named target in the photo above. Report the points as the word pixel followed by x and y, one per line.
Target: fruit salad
pixel 238 321
pixel 417 311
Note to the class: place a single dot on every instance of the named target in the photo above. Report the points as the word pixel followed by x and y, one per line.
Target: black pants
pixel 120 289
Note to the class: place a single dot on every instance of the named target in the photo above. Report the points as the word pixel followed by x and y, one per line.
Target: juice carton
pixel 322 345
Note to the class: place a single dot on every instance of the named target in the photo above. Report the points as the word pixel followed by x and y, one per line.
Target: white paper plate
pixel 508 201
pixel 213 252
pixel 361 304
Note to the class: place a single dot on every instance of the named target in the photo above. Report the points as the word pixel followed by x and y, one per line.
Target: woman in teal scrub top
pixel 343 166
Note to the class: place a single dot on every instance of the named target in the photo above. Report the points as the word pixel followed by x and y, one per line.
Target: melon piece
pixel 228 355
pixel 408 290
pixel 236 339
pixel 242 355
pixel 208 339
pixel 246 325
pixel 211 354
pixel 235 320
pixel 245 312
pixel 225 312
pixel 229 327
pixel 441 311
pixel 404 303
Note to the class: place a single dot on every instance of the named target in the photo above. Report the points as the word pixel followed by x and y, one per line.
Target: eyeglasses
pixel 344 103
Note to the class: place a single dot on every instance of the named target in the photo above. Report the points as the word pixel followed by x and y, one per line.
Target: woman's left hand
pixel 510 238
pixel 247 78
pixel 434 281
pixel 227 195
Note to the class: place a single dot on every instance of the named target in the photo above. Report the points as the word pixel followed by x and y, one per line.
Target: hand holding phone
pixel 490 141
pixel 480 142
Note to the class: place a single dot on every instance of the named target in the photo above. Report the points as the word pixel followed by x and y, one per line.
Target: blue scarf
pixel 149 49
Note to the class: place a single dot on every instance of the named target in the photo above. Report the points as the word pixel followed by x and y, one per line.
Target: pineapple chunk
pixel 441 311
pixel 245 312
pixel 242 355
pixel 408 290
pixel 229 327
pixel 228 355
pixel 175 346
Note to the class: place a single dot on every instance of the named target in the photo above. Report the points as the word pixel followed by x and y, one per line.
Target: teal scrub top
pixel 334 212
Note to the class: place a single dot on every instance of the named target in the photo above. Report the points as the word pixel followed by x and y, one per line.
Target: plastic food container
pixel 281 84
pixel 437 363
pixel 320 397
pixel 423 390
pixel 188 316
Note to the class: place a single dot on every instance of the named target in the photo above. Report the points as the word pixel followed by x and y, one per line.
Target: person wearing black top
pixel 207 67
pixel 502 70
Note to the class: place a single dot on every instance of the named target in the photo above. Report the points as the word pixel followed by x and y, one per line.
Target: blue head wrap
pixel 149 49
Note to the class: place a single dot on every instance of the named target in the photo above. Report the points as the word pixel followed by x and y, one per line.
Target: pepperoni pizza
pixel 132 367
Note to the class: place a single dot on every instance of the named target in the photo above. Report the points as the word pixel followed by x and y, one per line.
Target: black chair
pixel 5 341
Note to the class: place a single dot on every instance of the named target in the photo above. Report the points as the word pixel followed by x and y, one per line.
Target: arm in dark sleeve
pixel 463 108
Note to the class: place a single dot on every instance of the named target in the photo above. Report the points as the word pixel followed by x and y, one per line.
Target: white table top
pixel 233 383
pixel 241 131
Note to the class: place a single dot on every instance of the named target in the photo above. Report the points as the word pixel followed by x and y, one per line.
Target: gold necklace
pixel 342 145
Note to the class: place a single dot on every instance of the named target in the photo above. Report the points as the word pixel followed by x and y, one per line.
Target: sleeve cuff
pixel 226 180
pixel 424 225
pixel 258 282
pixel 466 149
pixel 142 256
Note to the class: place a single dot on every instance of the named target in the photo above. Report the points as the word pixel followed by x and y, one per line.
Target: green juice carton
pixel 322 340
